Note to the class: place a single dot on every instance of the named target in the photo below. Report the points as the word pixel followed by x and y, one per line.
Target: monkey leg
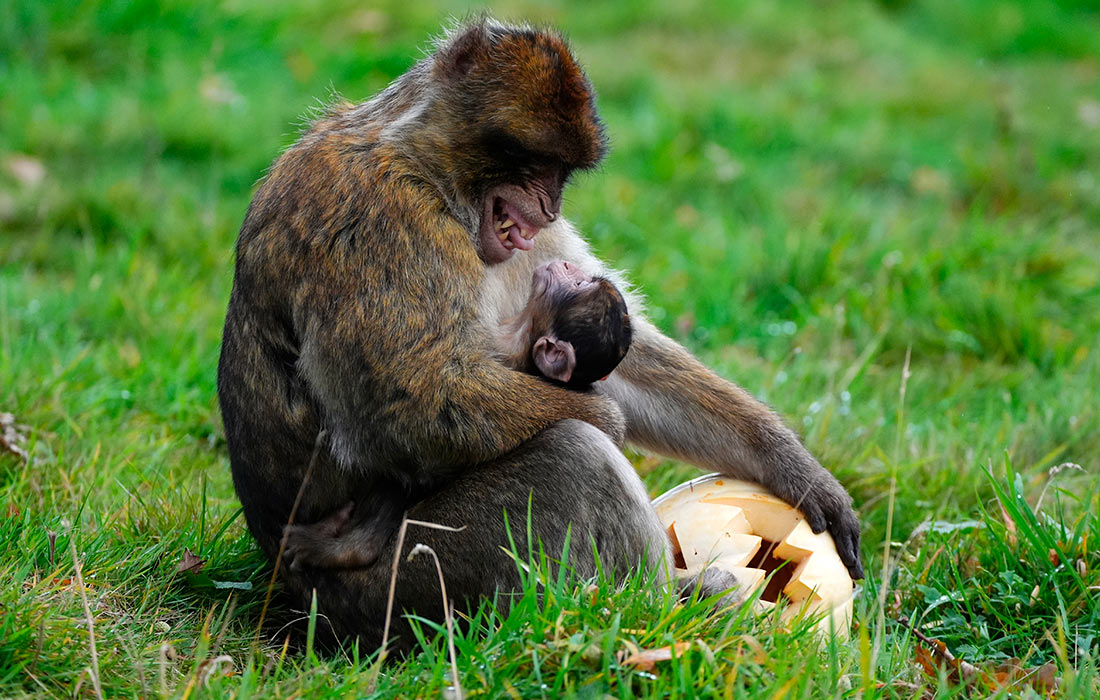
pixel 575 483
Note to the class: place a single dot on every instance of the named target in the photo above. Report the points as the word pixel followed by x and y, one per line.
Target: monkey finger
pixel 815 517
pixel 847 545
pixel 854 565
pixel 294 549
pixel 290 557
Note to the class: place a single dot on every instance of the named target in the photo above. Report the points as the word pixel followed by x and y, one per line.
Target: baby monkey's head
pixel 579 327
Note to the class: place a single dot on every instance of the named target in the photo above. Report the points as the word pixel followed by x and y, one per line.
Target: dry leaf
pixel 11 436
pixel 646 659
pixel 935 655
pixel 1044 679
pixel 190 563
pixel 1010 526
pixel 27 170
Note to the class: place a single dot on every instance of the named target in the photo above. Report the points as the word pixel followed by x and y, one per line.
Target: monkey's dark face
pixel 528 120
pixel 583 318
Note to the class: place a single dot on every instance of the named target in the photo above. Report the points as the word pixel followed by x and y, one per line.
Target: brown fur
pixel 355 297
pixel 594 320
pixel 358 313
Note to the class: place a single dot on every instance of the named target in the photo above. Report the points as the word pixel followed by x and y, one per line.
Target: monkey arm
pixel 676 406
pixel 421 406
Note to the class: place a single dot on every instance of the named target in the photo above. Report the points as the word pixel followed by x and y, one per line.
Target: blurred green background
pixel 806 191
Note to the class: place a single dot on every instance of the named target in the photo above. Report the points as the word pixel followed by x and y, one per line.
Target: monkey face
pixel 527 121
pixel 557 283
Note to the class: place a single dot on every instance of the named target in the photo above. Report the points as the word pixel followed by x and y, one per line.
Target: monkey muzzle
pixel 511 218
pixel 558 275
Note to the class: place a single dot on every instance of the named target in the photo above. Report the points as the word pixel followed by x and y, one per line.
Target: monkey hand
pixel 606 415
pixel 827 506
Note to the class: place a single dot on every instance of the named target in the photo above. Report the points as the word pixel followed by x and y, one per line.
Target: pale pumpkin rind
pixel 725 523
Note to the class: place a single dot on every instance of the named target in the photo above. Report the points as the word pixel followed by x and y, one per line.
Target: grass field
pixel 814 195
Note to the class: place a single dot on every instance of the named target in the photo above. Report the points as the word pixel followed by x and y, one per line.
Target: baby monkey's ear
pixel 554 358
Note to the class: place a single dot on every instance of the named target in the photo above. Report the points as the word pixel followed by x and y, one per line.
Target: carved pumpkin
pixel 742 528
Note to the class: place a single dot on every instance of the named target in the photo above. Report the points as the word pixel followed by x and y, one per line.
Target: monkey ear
pixel 458 55
pixel 555 358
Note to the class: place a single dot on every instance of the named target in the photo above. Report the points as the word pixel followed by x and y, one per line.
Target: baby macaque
pixel 574 330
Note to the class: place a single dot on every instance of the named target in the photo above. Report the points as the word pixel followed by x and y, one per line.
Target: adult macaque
pixel 574 330
pixel 372 260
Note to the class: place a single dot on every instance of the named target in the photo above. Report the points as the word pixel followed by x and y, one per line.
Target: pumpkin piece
pixel 765 543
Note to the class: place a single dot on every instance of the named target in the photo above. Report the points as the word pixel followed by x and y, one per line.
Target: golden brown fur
pixel 368 265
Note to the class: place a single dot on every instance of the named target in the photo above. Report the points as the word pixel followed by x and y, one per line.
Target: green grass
pixel 807 192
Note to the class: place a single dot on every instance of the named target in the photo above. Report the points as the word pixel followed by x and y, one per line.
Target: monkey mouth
pixel 511 219
pixel 510 227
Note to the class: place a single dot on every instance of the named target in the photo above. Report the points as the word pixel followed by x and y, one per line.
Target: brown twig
pixel 966 671
pixel 94 670
pixel 448 617
pixel 383 650
pixel 906 623
pixel 290 521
